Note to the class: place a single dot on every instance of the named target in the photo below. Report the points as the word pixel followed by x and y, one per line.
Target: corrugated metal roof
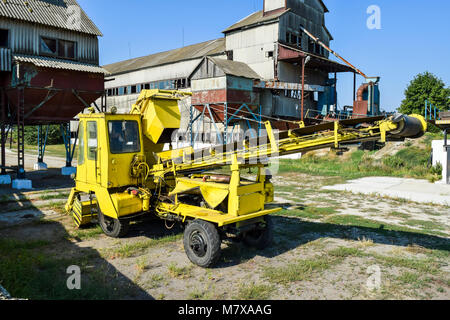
pixel 213 47
pixel 45 62
pixel 235 68
pixel 55 13
pixel 255 19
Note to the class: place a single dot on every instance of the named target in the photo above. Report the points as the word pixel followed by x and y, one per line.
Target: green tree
pixel 54 135
pixel 425 86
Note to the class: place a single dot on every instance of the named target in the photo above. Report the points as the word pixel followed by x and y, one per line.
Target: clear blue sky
pixel 414 37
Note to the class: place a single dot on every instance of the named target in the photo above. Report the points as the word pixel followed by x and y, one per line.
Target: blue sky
pixel 414 35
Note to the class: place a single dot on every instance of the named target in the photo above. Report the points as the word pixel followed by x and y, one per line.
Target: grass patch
pixel 351 220
pixel 425 225
pixel 344 252
pixel 419 265
pixel 131 249
pixel 179 272
pixel 309 212
pixel 296 271
pixel 30 274
pixel 61 195
pixel 254 291
pixel 155 281
pixel 85 234
pixel 399 215
pixel 409 162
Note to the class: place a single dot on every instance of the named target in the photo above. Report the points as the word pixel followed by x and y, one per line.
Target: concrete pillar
pixel 446 168
pixel 442 155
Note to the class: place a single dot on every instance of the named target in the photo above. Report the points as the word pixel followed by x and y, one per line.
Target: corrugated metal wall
pixel 5 59
pixel 25 39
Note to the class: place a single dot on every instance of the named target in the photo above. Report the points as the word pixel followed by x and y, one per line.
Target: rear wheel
pixel 262 236
pixel 202 243
pixel 113 228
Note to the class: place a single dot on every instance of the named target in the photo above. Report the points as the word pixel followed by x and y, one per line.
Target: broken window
pixel 48 46
pixel 59 48
pixel 4 38
pixel 133 89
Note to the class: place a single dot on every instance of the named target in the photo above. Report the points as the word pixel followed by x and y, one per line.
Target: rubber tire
pixel 211 238
pixel 118 228
pixel 260 239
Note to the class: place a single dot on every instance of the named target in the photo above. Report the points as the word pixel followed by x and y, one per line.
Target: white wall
pixel 250 46
pixel 442 157
pixel 270 5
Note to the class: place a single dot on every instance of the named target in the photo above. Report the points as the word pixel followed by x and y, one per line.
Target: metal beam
pixel 52 93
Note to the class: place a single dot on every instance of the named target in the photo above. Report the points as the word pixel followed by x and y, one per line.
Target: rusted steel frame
pixel 3 137
pixel 317 40
pixel 50 95
pixel 75 92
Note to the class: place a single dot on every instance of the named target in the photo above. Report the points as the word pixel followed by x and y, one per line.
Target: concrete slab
pixel 5 179
pixel 40 166
pixel 22 184
pixel 67 171
pixel 410 189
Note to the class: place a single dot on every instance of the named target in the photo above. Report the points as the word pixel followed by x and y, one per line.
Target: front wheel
pixel 112 227
pixel 202 243
pixel 262 236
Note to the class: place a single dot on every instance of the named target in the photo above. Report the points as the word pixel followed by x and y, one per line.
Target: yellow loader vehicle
pixel 123 172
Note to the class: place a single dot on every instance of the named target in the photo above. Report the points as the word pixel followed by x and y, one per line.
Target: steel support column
pixel 3 132
pixel 303 87
pixel 20 133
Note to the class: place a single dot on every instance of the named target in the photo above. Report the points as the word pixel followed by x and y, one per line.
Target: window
pixel 123 137
pixel 92 140
pixel 58 48
pixel 4 38
pixel 48 46
pixel 311 45
pixel 80 159
pixel 294 39
pixel 133 89
pixel 66 49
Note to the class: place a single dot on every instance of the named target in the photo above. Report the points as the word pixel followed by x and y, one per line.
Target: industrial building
pixel 49 72
pixel 265 67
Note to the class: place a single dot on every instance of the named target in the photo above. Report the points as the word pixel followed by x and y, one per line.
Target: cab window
pixel 92 140
pixel 124 137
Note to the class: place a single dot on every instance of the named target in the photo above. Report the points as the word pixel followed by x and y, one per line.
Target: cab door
pixel 93 174
pixel 81 158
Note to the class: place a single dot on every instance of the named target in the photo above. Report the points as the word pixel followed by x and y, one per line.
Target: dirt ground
pixel 328 245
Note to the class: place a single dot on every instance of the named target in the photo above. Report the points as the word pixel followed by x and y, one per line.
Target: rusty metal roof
pixel 45 62
pixel 54 13
pixel 235 68
pixel 255 19
pixel 213 47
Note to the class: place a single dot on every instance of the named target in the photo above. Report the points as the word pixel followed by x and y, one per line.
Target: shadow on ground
pixel 35 256
pixel 290 233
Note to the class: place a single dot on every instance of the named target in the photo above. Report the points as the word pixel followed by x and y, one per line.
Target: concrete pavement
pixel 410 189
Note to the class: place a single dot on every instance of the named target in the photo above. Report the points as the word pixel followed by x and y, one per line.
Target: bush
pixel 394 162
